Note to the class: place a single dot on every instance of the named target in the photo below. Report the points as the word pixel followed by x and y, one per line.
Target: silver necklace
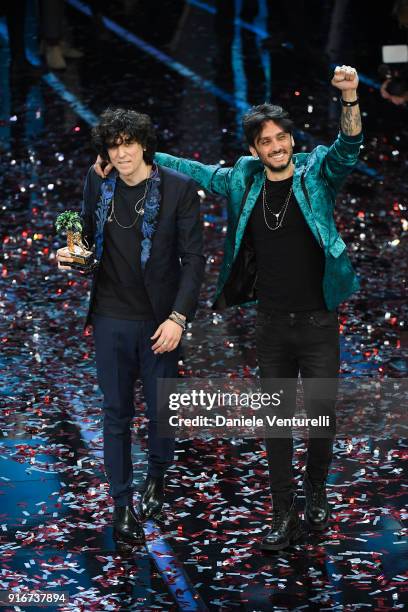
pixel 139 211
pixel 278 222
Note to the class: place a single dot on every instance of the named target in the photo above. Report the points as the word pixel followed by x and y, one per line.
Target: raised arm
pixel 342 156
pixel 346 80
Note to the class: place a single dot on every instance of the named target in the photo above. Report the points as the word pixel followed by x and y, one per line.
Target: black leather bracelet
pixel 347 103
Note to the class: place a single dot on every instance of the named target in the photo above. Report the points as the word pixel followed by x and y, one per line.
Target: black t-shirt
pixel 120 291
pixel 290 261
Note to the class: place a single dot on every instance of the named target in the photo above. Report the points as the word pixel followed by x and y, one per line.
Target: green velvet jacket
pixel 317 179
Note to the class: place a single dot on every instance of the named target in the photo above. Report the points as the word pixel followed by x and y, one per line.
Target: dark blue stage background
pixel 195 67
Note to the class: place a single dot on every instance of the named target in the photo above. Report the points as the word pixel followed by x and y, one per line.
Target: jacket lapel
pixel 101 211
pixel 149 219
pixel 150 216
pixel 299 193
pixel 248 207
pixel 254 194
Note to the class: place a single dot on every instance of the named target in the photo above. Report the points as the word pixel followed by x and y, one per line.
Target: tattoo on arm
pixel 350 120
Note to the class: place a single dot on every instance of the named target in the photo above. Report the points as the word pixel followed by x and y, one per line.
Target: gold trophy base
pixel 82 259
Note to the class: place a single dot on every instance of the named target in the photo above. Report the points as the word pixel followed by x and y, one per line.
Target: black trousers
pixel 288 344
pixel 123 354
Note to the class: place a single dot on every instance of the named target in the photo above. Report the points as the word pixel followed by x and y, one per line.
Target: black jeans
pixel 288 344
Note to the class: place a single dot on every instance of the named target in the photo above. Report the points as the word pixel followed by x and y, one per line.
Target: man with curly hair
pixel 145 224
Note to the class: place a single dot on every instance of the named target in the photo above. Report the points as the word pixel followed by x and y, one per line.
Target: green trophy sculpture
pixel 70 223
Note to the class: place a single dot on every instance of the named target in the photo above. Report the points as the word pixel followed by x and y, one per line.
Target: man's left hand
pixel 167 337
pixel 345 78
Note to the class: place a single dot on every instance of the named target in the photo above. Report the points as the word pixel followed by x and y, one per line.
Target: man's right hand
pixel 63 260
pixel 101 168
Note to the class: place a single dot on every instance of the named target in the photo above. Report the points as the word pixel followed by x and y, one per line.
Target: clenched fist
pixel 345 78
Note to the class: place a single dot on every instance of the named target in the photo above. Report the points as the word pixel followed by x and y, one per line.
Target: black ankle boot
pixel 126 525
pixel 286 528
pixel 152 499
pixel 317 510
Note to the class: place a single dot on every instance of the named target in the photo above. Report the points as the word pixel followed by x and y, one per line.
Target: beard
pixel 266 162
pixel 277 168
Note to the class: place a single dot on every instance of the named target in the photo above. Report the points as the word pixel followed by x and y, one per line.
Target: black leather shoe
pixel 286 527
pixel 317 510
pixel 152 499
pixel 127 526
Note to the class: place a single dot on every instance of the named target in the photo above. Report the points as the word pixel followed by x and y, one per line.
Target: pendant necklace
pixel 278 222
pixel 139 211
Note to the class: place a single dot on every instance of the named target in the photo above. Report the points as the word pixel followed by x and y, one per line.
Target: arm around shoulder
pixel 213 178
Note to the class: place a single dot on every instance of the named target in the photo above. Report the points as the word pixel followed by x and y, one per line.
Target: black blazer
pixel 175 269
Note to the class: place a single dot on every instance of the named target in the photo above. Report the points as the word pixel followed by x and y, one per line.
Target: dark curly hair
pixel 119 125
pixel 254 119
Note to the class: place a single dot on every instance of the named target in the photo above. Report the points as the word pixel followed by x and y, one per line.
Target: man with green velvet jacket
pixel 283 250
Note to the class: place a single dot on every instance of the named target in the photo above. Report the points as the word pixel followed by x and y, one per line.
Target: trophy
pixel 70 223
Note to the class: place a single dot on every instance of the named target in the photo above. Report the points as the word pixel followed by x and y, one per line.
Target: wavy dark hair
pixel 254 119
pixel 119 125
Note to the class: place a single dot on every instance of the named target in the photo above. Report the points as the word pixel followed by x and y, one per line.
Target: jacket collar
pixel 149 219
pixel 301 161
